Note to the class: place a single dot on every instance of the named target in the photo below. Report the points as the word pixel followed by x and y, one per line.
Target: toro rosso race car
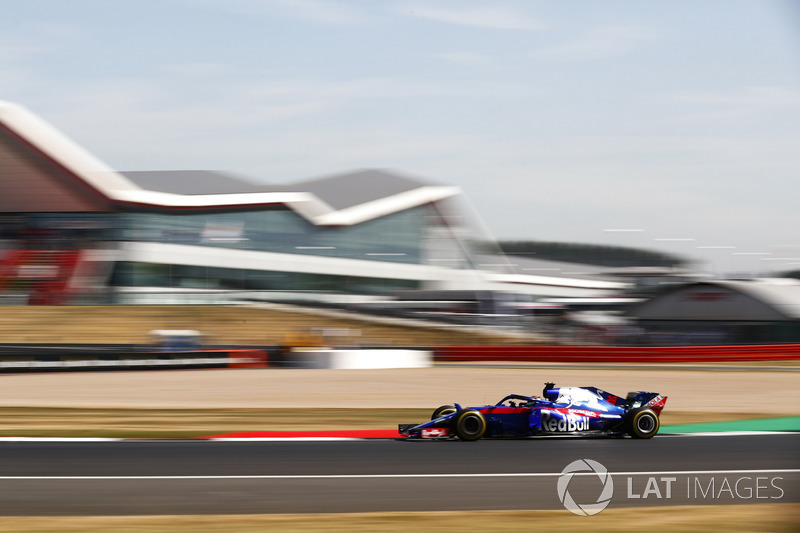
pixel 559 411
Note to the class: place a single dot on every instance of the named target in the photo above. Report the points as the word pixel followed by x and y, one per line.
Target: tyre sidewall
pixel 467 417
pixel 636 417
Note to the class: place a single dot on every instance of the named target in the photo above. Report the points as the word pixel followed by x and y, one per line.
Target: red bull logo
pixel 556 423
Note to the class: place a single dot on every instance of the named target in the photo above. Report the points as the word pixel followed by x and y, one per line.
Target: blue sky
pixel 558 119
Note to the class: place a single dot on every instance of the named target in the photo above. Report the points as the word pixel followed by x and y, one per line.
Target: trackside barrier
pixel 61 362
pixel 247 358
pixel 358 359
pixel 618 354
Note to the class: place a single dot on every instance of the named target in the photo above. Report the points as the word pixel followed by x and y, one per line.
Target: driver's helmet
pixel 549 391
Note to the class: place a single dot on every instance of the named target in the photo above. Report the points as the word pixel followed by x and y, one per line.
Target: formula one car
pixel 559 411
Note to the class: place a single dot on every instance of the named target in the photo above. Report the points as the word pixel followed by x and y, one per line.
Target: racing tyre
pixel 470 425
pixel 643 424
pixel 443 410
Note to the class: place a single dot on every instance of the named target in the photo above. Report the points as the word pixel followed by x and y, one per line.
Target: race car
pixel 559 411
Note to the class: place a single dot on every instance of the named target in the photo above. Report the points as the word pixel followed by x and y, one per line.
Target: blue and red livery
pixel 559 411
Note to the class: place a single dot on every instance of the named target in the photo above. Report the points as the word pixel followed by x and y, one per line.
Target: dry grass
pixel 219 324
pixel 177 423
pixel 728 518
pixel 132 423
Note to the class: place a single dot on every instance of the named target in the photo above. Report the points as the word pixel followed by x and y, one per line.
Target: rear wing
pixel 649 400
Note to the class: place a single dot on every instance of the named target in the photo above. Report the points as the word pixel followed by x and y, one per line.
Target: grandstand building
pixel 74 230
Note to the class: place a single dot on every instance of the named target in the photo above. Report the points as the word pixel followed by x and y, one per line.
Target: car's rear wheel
pixel 643 424
pixel 443 410
pixel 470 425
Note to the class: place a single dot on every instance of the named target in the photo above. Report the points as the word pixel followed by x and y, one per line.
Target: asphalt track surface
pixel 208 477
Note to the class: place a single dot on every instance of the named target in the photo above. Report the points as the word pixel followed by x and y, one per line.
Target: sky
pixel 677 122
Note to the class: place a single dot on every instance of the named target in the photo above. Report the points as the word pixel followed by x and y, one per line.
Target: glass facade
pixel 395 238
pixel 433 234
pixel 415 236
pixel 420 235
pixel 131 274
pixel 56 230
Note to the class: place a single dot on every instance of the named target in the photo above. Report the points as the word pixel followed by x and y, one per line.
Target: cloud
pixel 379 88
pixel 598 43
pixel 734 105
pixel 27 41
pixel 764 96
pixel 14 52
pixel 469 59
pixel 249 122
pixel 495 17
pixel 318 11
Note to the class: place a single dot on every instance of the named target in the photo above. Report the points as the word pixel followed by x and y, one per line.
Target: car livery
pixel 559 411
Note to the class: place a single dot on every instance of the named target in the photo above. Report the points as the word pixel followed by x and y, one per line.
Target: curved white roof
pixel 759 300
pixel 44 170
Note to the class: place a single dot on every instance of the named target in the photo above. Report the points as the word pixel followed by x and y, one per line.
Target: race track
pixel 207 477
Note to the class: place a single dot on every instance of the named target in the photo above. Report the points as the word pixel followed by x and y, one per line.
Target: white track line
pixel 398 476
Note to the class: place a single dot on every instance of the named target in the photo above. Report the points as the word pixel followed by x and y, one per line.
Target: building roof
pixel 782 294
pixel 725 300
pixel 191 182
pixel 45 171
pixel 342 191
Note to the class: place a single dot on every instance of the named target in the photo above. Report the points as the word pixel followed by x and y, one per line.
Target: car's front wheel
pixel 443 410
pixel 643 424
pixel 470 425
